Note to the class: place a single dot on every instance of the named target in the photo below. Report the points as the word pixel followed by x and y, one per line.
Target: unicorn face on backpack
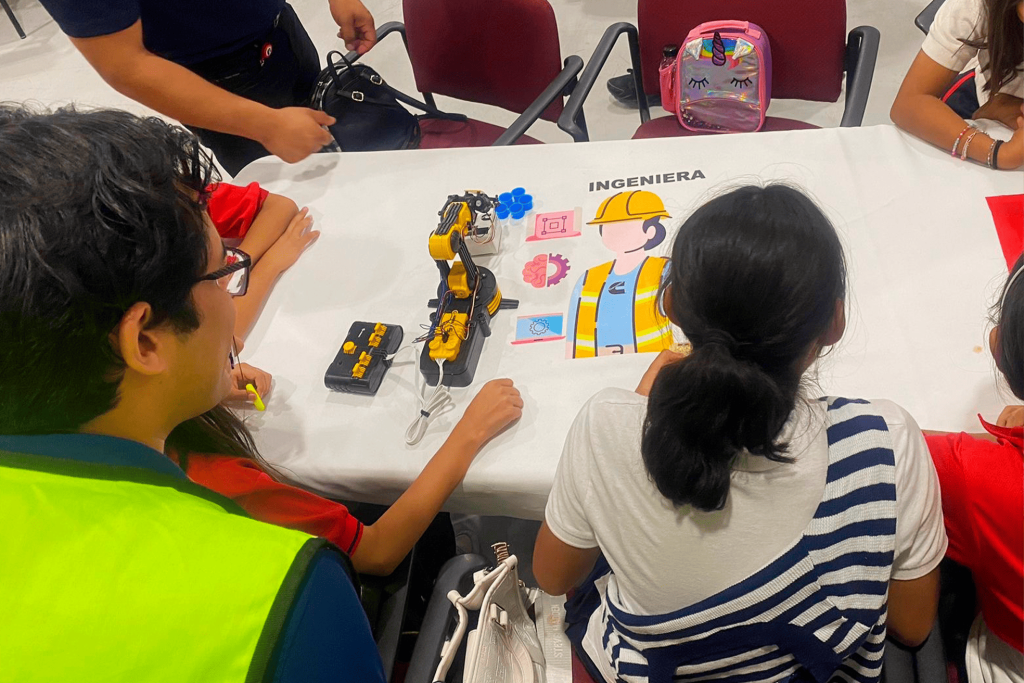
pixel 721 79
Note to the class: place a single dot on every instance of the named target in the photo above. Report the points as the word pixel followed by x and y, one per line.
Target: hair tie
pixel 720 338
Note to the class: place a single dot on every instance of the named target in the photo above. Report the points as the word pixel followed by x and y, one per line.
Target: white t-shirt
pixel 991 660
pixel 665 558
pixel 956 21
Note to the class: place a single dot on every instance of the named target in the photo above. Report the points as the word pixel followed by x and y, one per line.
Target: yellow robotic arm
pixel 468 295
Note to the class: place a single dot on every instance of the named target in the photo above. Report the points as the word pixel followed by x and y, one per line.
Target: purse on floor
pixel 505 647
pixel 368 112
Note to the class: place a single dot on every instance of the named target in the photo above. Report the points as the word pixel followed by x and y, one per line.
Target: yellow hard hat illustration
pixel 638 205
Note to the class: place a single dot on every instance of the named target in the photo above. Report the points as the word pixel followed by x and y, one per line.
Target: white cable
pixel 438 400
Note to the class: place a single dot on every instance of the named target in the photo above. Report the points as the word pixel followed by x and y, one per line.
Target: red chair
pixel 503 53
pixel 809 55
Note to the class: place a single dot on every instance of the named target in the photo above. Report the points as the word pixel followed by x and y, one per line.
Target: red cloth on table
pixel 1008 214
pixel 983 504
pixel 233 209
pixel 267 500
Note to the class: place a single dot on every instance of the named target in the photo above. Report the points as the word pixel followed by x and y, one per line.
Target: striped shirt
pixel 814 613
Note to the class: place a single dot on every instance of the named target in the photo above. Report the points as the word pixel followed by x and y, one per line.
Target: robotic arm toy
pixel 467 296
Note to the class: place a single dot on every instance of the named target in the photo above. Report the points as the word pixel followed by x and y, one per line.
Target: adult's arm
pixel 121 58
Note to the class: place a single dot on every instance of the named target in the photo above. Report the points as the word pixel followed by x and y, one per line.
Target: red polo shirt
pixel 983 505
pixel 267 500
pixel 233 209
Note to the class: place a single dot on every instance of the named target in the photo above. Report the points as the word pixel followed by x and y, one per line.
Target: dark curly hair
pixel 99 210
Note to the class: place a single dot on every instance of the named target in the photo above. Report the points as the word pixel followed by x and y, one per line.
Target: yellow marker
pixel 259 401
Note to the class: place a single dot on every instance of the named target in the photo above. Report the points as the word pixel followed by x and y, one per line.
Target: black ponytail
pixel 1009 316
pixel 754 281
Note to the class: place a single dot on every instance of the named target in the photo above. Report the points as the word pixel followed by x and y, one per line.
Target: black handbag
pixel 367 111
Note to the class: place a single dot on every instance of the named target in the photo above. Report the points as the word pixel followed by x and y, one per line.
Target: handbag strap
pixel 472 600
pixel 433 112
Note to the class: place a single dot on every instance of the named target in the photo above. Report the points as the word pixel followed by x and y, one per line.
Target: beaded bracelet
pixel 994 154
pixel 967 143
pixel 957 141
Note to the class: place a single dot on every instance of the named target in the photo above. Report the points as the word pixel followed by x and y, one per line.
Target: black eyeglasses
pixel 234 276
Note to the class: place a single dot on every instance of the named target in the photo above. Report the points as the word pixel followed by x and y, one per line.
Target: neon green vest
pixel 122 574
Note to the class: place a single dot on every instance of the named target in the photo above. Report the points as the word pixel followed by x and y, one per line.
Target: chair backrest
pixel 807 37
pixel 498 52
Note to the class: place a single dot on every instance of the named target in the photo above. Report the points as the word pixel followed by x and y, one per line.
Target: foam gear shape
pixel 561 269
pixel 535 272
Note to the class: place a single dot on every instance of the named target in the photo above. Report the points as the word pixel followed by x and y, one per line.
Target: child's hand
pixel 1012 416
pixel 1011 154
pixel 243 374
pixel 496 406
pixel 290 245
pixel 1000 107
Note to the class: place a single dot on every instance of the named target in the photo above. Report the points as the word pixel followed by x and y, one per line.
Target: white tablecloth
pixel 924 263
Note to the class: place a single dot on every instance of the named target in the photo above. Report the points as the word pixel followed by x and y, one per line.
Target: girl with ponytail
pixel 726 519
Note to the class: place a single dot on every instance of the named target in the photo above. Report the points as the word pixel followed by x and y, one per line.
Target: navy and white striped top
pixel 815 613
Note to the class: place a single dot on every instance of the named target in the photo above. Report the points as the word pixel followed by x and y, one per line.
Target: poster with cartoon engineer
pixel 614 306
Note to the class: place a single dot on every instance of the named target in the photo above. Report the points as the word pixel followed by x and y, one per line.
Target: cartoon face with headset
pixel 614 306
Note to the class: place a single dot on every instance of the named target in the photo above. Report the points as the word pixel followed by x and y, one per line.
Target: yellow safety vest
pixel 123 574
pixel 651 329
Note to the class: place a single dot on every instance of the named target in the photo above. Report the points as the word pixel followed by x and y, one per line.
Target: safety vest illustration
pixel 651 330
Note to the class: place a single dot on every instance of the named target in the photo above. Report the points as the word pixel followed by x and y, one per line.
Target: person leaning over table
pixel 239 73
pixel 939 106
pixel 115 328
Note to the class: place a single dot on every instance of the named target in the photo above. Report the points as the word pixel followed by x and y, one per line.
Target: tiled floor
pixel 45 67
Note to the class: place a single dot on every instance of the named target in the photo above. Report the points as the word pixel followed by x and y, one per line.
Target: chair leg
pixel 14 20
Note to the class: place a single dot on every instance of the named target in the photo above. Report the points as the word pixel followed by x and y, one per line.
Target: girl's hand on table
pixel 283 253
pixel 1011 153
pixel 1001 107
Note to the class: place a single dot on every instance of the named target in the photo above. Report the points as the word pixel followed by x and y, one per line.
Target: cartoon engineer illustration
pixel 614 306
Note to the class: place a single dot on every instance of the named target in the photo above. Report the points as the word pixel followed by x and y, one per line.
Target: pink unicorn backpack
pixel 721 78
